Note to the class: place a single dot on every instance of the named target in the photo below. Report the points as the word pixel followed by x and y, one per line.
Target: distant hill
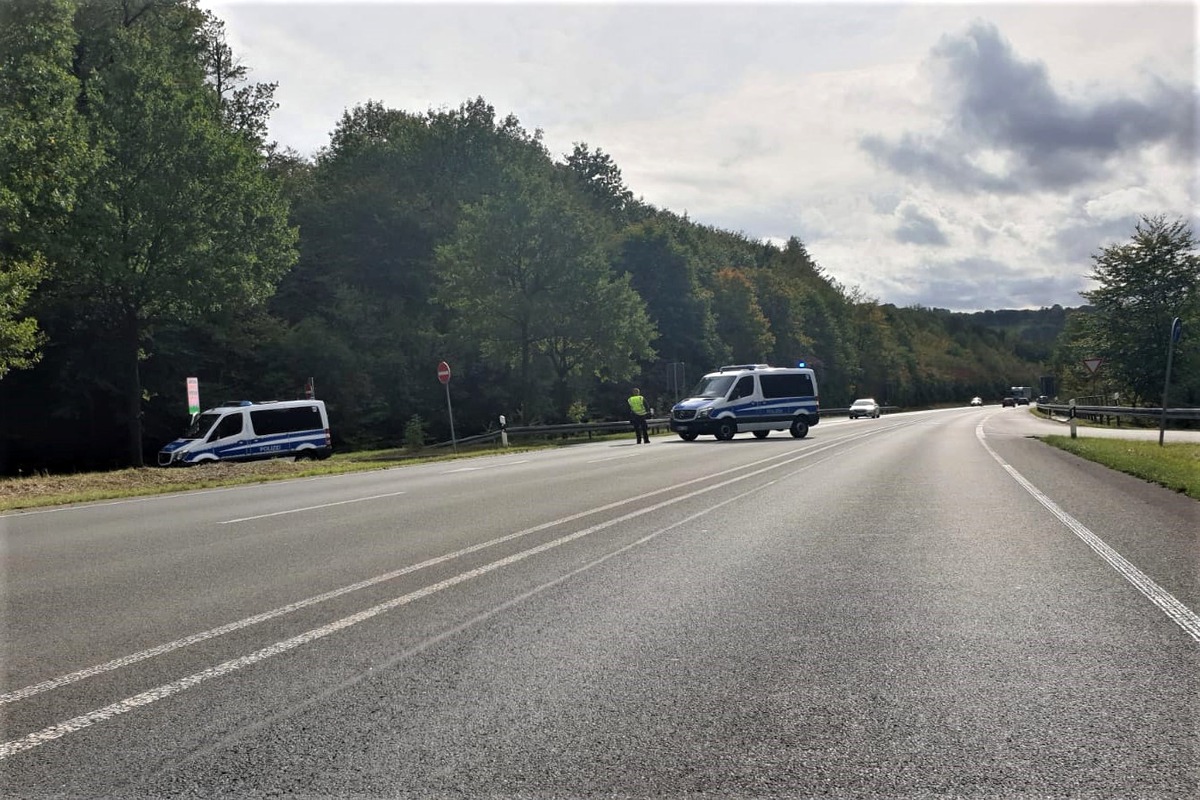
pixel 1032 332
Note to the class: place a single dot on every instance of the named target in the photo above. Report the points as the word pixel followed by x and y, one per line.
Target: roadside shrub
pixel 414 434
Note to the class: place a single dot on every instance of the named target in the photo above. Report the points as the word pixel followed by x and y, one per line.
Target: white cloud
pixel 752 117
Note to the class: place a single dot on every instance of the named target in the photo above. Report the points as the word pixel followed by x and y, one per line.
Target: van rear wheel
pixel 799 429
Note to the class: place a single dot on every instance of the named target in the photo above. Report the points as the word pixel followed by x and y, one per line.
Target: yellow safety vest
pixel 637 404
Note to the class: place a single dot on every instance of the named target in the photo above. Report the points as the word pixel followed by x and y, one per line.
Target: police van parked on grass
pixel 749 397
pixel 246 431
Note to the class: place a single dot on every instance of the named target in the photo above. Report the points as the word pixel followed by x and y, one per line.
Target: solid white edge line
pixel 1183 616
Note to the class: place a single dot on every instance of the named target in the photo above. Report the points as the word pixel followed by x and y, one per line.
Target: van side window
pixel 285 420
pixel 790 385
pixel 231 425
pixel 743 388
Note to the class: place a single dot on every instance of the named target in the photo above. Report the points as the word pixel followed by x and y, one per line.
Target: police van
pixel 749 397
pixel 242 430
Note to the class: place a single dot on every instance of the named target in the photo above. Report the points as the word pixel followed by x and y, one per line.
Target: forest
pixel 152 233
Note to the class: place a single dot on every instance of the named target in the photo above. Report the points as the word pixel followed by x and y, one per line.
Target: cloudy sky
pixel 966 156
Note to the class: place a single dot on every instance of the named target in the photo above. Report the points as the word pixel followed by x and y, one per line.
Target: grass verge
pixel 1174 465
pixel 45 489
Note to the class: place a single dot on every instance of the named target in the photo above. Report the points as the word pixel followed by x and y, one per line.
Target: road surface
pixel 924 605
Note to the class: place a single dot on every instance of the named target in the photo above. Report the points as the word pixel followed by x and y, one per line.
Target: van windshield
pixel 713 386
pixel 201 426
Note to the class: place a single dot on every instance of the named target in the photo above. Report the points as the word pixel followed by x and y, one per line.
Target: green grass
pixel 46 489
pixel 1175 465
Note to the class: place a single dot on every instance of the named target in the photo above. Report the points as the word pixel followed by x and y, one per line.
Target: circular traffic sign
pixel 444 372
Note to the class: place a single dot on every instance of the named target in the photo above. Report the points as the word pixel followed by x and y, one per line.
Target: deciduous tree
pixel 1143 284
pixel 526 274
pixel 181 219
pixel 44 155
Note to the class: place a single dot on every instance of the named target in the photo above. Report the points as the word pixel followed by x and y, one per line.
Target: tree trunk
pixel 133 395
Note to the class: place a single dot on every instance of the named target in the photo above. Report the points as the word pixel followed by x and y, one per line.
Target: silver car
pixel 864 407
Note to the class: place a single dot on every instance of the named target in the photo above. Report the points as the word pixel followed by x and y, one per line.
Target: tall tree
pixel 242 105
pixel 526 273
pixel 600 179
pixel 740 320
pixel 182 219
pixel 665 274
pixel 44 155
pixel 1142 285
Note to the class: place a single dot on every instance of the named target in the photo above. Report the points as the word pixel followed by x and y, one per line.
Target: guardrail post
pixel 1071 415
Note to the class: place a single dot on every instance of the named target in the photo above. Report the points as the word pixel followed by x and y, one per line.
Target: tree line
pixel 151 233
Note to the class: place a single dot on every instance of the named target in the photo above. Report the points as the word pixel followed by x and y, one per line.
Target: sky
pixel 968 156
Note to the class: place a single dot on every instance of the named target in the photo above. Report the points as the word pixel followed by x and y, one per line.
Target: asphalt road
pixel 924 605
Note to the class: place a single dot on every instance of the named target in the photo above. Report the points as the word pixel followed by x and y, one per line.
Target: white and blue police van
pixel 242 430
pixel 749 397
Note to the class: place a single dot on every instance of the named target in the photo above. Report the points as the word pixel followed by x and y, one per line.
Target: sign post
pixel 193 395
pixel 443 373
pixel 1176 335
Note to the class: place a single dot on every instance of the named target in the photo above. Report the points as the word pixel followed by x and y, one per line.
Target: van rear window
pixel 796 384
pixel 286 420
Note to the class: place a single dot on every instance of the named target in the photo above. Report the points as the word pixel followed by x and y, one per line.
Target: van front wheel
pixel 725 430
pixel 687 436
pixel 799 429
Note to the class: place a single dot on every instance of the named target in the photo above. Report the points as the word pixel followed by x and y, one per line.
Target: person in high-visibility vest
pixel 637 416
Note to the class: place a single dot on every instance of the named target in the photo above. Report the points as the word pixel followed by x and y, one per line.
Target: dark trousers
pixel 639 427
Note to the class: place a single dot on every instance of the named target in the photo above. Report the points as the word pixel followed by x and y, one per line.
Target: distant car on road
pixel 1009 401
pixel 1022 401
pixel 864 407
pixel 976 401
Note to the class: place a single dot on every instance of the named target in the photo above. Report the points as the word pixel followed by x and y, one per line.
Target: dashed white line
pixel 309 508
pixel 489 466
pixel 614 458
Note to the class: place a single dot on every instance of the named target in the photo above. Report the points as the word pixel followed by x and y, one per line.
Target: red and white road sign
pixel 444 372
pixel 1093 364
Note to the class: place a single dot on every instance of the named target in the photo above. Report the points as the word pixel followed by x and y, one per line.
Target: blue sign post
pixel 1176 335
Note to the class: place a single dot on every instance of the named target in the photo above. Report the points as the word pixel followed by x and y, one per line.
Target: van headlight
pixel 703 413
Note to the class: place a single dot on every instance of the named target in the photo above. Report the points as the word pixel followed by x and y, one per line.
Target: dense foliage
pixel 174 241
pixel 1143 285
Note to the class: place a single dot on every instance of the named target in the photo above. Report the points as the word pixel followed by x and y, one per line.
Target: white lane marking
pixel 309 508
pixel 488 466
pixel 433 641
pixel 1183 616
pixel 61 729
pixel 117 663
pixel 613 458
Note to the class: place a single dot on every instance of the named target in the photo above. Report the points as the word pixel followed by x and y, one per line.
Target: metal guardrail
pixel 1095 412
pixel 657 424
